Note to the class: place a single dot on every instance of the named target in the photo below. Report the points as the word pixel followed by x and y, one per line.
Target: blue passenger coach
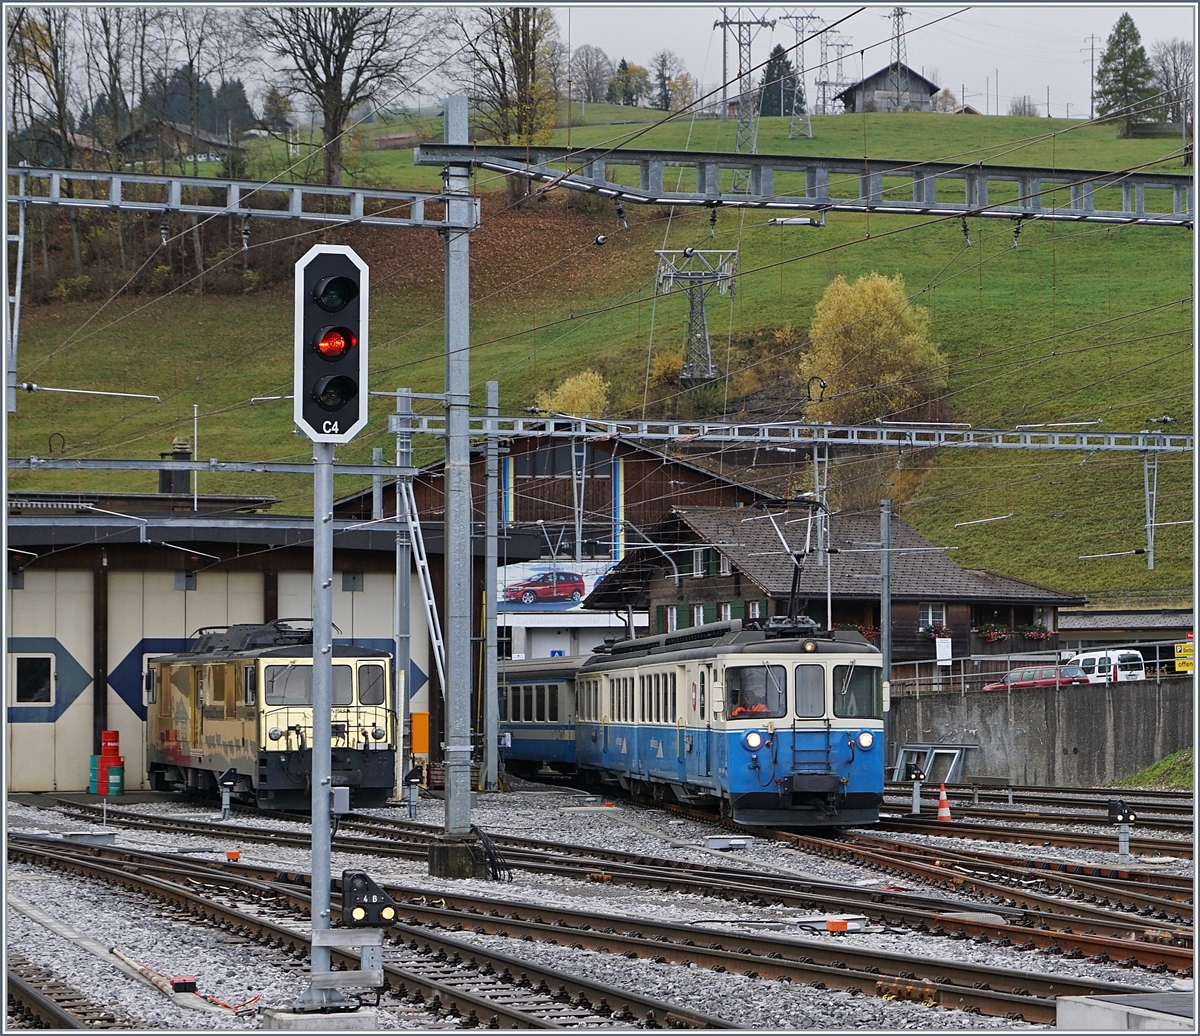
pixel 776 725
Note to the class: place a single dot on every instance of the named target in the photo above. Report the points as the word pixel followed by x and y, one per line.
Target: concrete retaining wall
pixel 1082 735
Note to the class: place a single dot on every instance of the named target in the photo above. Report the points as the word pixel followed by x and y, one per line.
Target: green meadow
pixel 1067 323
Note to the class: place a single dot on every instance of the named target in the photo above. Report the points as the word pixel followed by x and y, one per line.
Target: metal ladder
pixel 812 760
pixel 421 561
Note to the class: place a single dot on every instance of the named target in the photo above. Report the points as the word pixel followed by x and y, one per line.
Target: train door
pixel 706 716
pixel 679 718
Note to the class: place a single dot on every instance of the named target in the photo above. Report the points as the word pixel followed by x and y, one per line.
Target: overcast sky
pixel 1032 46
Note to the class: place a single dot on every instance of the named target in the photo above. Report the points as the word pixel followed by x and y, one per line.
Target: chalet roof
pixel 751 541
pixel 914 80
pixel 200 135
pixel 435 469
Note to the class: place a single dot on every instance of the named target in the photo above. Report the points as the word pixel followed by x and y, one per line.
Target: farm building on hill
pixel 877 93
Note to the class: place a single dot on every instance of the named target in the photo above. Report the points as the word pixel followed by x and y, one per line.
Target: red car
pixel 1043 676
pixel 547 586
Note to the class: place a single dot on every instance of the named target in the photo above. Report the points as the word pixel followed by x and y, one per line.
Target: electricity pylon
pixel 697 272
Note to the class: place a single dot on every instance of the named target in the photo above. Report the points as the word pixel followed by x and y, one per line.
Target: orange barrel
pixel 110 743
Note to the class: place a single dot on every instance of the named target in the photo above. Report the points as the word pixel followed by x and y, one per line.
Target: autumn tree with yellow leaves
pixel 871 348
pixel 583 395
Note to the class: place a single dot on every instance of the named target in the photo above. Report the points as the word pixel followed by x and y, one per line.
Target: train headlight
pixel 753 740
pixel 865 740
pixel 810 645
pixel 274 733
pixel 378 733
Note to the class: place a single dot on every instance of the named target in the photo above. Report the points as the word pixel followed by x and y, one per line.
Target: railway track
pixel 1034 836
pixel 38 999
pixel 1162 802
pixel 1012 913
pixel 478 986
pixel 427 939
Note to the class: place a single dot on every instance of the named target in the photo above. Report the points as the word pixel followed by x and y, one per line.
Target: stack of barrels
pixel 106 775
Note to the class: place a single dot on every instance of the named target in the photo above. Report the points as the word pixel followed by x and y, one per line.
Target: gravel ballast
pixel 235 971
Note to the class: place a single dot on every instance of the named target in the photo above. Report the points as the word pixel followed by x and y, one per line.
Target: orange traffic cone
pixel 943 806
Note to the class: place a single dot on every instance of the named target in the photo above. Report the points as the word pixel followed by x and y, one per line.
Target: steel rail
pixel 1071 840
pixel 222 877
pixel 948 983
pixel 42 1007
pixel 906 906
pixel 1120 894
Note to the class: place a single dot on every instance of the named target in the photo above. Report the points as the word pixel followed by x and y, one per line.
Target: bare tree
pixel 944 101
pixel 1172 61
pixel 556 69
pixel 507 58
pixel 1023 106
pixel 590 71
pixel 341 57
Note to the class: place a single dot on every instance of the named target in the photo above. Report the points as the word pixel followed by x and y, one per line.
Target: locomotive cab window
pixel 858 692
pixel 249 686
pixel 810 691
pixel 552 703
pixel 758 692
pixel 528 695
pixel 370 684
pixel 541 703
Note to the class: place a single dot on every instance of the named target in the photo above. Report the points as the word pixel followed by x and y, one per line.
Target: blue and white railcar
pixel 537 713
pixel 781 725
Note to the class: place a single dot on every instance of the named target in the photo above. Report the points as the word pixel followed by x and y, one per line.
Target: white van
pixel 1112 665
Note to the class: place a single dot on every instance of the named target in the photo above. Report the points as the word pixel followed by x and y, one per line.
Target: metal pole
pixel 376 486
pixel 885 590
pixel 458 483
pixel 14 308
pixel 403 631
pixel 322 686
pixel 491 703
pixel 196 454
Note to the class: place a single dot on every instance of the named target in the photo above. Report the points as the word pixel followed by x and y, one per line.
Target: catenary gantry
pixel 842 184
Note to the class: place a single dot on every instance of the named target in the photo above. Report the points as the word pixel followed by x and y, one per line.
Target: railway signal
pixel 364 903
pixel 330 375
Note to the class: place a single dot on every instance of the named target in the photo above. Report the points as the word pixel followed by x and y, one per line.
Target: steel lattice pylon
pixel 746 143
pixel 801 121
pixel 898 84
pixel 697 272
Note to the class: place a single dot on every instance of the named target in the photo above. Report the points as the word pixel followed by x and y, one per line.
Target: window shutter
pixel 737 609
pixel 660 622
pixel 710 613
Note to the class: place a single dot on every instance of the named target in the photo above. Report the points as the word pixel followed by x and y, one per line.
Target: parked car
pixel 1114 665
pixel 546 586
pixel 1042 676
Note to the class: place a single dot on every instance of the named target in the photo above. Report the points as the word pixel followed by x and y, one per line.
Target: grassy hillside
pixel 1077 323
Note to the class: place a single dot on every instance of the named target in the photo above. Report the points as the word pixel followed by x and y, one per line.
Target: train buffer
pixel 975 783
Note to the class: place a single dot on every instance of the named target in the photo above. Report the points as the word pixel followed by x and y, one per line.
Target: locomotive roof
pixel 266 640
pixel 729 637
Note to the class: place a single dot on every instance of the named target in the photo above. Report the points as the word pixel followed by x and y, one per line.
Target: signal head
pixel 333 294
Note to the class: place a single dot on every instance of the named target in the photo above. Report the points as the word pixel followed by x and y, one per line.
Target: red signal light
pixel 335 342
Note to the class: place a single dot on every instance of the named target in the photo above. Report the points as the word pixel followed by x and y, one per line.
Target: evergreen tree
pixel 778 85
pixel 1124 77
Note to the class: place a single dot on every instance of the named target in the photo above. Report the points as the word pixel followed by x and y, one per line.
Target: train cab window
pixel 552 703
pixel 674 700
pixel 758 691
pixel 343 685
pixel 249 685
pixel 541 703
pixel 289 684
pixel 810 691
pixel 35 680
pixel 702 674
pixel 657 698
pixel 642 699
pixel 528 695
pixel 370 684
pixel 858 692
